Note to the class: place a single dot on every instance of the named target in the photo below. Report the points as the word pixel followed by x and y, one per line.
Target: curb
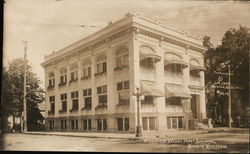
pixel 105 137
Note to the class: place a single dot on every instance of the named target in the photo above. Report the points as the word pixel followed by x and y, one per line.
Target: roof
pixel 130 20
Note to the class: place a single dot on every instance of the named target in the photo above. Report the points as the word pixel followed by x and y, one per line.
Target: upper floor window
pixel 63 76
pixel 102 96
pixel 52 104
pixel 101 64
pixel 51 80
pixel 86 69
pixel 148 63
pixel 74 98
pixel 73 72
pixel 87 93
pixel 64 102
pixel 123 92
pixel 122 57
pixel 174 68
pixel 148 100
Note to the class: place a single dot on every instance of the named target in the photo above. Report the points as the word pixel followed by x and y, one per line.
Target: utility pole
pixel 229 97
pixel 24 93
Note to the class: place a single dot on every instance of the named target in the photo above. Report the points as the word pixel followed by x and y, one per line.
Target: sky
pixel 50 25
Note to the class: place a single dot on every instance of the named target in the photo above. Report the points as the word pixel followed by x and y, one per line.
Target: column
pixel 93 87
pixel 160 81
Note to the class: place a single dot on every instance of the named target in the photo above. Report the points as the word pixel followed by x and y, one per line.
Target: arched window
pixel 148 57
pixel 122 57
pixel 101 64
pixel 86 69
pixel 174 64
pixel 195 68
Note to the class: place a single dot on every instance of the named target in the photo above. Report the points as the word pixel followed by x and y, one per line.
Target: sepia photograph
pixel 169 76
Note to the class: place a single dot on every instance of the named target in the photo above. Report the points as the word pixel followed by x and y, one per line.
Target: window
pixel 174 122
pixel 63 77
pixel 174 68
pixel 195 73
pixel 101 68
pixel 86 72
pixel 51 124
pixel 52 104
pixel 102 96
pixel 64 102
pixel 74 97
pixel 123 92
pixel 87 98
pixel 174 103
pixel 148 100
pixel 63 124
pixel 74 124
pixel 148 63
pixel 102 124
pixel 123 124
pixel 122 57
pixel 87 124
pixel 149 123
pixel 51 80
pixel 73 73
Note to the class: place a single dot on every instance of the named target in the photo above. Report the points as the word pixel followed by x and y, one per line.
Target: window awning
pixel 176 91
pixel 149 53
pixel 150 89
pixel 196 67
pixel 169 59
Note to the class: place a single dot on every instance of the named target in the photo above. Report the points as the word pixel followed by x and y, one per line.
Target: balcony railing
pixel 62 111
pixel 50 87
pixel 148 74
pixel 101 106
pixel 62 84
pixel 73 80
pixel 73 110
pixel 85 77
pixel 173 77
pixel 119 68
pixel 86 108
pixel 100 73
pixel 51 112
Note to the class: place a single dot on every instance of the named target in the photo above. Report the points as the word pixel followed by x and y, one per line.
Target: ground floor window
pixel 174 122
pixel 51 124
pixel 74 124
pixel 123 124
pixel 102 124
pixel 149 123
pixel 63 124
pixel 87 124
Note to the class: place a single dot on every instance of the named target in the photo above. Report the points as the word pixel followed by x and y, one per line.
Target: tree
pixel 12 96
pixel 233 51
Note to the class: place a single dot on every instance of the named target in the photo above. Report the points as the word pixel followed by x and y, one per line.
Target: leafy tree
pixel 12 96
pixel 234 51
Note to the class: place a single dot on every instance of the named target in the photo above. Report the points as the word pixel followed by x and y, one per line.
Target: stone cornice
pixel 132 30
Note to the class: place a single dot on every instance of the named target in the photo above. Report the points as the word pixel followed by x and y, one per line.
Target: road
pixel 234 142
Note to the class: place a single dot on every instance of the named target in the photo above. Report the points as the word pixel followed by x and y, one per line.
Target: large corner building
pixel 90 85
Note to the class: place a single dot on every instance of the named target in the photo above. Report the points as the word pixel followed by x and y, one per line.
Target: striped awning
pixel 171 59
pixel 150 89
pixel 176 91
pixel 197 67
pixel 146 52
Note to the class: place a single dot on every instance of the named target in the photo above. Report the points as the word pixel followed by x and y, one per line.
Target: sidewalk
pixel 162 135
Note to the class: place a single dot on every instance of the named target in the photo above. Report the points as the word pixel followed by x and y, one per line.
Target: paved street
pixel 229 141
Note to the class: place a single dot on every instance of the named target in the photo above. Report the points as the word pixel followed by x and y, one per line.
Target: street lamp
pixel 139 97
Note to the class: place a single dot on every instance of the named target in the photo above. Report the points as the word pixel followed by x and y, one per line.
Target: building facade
pixel 90 85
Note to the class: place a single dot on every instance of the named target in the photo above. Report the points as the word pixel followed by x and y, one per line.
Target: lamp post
pixel 24 94
pixel 139 97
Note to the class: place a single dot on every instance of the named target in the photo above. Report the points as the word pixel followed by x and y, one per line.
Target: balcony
pixel 85 77
pixel 62 84
pixel 122 107
pixel 51 112
pixel 73 110
pixel 148 74
pixel 119 68
pixel 73 80
pixel 100 73
pixel 50 87
pixel 195 80
pixel 148 107
pixel 62 111
pixel 174 77
pixel 86 108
